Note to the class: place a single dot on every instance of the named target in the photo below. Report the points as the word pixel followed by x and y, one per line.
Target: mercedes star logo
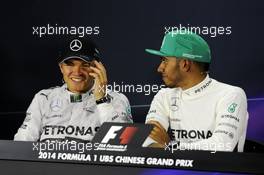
pixel 75 45
pixel 56 105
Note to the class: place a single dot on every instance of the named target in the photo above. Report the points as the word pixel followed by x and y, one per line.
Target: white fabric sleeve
pixel 31 128
pixel 158 112
pixel 231 125
pixel 118 110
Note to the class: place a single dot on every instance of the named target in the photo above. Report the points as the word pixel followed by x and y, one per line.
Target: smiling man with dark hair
pixel 76 110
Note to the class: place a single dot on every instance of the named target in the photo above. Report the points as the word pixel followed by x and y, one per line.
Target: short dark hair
pixel 204 67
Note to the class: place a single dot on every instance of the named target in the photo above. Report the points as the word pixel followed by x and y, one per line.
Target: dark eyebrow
pixel 68 62
pixel 87 63
pixel 163 59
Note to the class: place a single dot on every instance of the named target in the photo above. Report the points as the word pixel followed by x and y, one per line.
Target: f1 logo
pixel 125 137
pixel 111 133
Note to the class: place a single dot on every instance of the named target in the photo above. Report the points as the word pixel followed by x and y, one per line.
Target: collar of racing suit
pixel 197 89
pixel 74 97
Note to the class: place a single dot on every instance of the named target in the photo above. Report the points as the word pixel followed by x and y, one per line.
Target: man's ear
pixel 186 65
pixel 60 65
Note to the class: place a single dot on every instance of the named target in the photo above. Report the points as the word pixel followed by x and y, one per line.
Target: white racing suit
pixel 209 116
pixel 52 115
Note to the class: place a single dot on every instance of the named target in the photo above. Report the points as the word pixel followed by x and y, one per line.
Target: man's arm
pixel 231 125
pixel 117 110
pixel 159 135
pixel 31 127
pixel 158 116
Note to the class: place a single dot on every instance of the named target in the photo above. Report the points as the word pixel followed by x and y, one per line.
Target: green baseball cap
pixel 184 44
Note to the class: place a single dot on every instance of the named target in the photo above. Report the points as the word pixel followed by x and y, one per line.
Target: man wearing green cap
pixel 195 112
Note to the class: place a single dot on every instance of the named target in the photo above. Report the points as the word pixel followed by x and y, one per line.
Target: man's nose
pixel 77 69
pixel 161 68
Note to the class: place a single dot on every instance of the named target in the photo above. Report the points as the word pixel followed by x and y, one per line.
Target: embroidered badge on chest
pixel 56 105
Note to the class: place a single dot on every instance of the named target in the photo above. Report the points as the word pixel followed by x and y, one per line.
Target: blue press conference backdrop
pixel 123 29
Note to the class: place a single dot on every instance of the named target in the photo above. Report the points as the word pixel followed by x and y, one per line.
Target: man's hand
pixel 158 134
pixel 100 78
